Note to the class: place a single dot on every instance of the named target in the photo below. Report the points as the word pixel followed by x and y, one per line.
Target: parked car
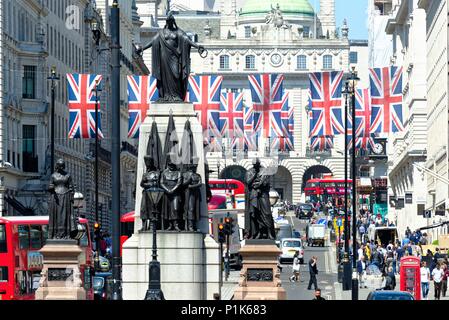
pixel 389 295
pixel 304 211
pixel 289 246
pixel 283 231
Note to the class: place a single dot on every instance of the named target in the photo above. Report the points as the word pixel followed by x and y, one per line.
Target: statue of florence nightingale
pixel 171 60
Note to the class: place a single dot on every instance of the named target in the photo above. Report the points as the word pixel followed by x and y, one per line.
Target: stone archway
pixel 282 182
pixel 233 172
pixel 314 172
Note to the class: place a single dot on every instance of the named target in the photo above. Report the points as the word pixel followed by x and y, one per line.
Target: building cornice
pixel 412 155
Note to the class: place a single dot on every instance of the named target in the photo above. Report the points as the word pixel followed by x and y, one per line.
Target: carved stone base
pixel 60 277
pixel 259 277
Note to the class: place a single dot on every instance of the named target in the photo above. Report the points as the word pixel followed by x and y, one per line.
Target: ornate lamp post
pixel 355 287
pixel 53 78
pixel 154 291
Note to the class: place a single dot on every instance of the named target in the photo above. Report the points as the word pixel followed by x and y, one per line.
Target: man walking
pixel 425 278
pixel 313 271
pixel 361 267
pixel 437 275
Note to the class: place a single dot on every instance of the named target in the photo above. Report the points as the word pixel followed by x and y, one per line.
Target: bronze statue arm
pixel 163 186
pixel 178 184
pixel 195 185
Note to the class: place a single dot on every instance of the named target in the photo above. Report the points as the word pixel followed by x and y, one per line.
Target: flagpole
pixel 97 239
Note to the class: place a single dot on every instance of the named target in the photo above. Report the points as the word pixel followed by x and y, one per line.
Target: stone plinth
pixel 61 277
pixel 259 277
pixel 190 265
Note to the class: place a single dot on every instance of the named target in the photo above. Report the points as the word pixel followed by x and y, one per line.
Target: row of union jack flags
pixel 378 108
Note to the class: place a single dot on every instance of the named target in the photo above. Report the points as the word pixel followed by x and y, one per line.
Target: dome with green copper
pixel 288 7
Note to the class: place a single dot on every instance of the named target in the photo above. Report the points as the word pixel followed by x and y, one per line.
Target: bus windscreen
pixel 3 244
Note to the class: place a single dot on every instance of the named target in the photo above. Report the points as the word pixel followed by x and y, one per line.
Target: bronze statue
pixel 258 218
pixel 150 180
pixel 171 182
pixel 171 60
pixel 62 221
pixel 192 208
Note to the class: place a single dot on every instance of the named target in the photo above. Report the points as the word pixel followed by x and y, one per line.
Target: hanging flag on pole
pixel 267 94
pixel 231 115
pixel 362 113
pixel 386 99
pixel 321 143
pixel 81 94
pixel 142 90
pixel 204 93
pixel 251 137
pixel 284 143
pixel 326 101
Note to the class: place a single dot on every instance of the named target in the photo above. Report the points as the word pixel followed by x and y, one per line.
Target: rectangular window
pixel 247 31
pixel 3 243
pixel 29 82
pixel 224 62
pixel 3 274
pixel 306 32
pixel 327 62
pixel 250 62
pixel 24 236
pixel 36 237
pixel 29 157
pixel 302 62
pixel 353 58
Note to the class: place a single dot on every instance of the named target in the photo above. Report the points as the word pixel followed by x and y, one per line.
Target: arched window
pixel 302 62
pixel 250 62
pixel 327 61
pixel 224 62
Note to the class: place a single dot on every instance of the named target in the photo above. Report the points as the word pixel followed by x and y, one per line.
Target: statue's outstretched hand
pixel 139 50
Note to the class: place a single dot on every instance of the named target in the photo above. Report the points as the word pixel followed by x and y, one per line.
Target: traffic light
pixel 228 226
pixel 221 233
pixel 97 230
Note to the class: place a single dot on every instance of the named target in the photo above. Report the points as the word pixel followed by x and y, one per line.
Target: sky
pixel 355 12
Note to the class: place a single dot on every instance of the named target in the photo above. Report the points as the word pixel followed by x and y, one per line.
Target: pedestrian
pixel 425 279
pixel 362 232
pixel 313 271
pixel 296 268
pixel 360 252
pixel 318 295
pixel 437 275
pixel 392 277
pixel 408 232
pixel 444 281
pixel 361 270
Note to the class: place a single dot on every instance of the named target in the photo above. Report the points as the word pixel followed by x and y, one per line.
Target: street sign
pixel 427 213
pixel 339 222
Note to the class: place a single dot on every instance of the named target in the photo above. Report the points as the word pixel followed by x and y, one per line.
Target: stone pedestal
pixel 190 265
pixel 259 277
pixel 190 261
pixel 61 277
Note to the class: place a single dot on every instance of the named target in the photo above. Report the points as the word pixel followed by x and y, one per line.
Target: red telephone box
pixel 411 276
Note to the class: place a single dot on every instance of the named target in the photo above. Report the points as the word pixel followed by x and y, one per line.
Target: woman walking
pixel 296 268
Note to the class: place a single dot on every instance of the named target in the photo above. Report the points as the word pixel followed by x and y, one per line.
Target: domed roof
pixel 288 7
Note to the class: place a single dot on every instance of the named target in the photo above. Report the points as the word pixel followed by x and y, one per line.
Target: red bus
pixel 232 188
pixel 327 189
pixel 21 263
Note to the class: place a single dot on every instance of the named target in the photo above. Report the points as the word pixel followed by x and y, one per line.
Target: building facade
pixel 242 39
pixel 436 166
pixel 37 35
pixel 406 25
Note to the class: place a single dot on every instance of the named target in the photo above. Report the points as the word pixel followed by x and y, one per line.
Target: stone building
pixel 242 39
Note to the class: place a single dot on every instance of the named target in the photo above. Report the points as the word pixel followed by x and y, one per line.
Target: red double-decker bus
pixel 327 189
pixel 21 262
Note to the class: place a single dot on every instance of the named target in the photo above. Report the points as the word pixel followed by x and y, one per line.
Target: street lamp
pixel 352 79
pixel 53 77
pixel 154 291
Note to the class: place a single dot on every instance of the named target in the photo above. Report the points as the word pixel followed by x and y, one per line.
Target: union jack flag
pixel 325 89
pixel 285 142
pixel 215 144
pixel 238 143
pixel 231 115
pixel 142 90
pixel 251 137
pixel 204 93
pixel 364 142
pixel 267 94
pixel 362 113
pixel 321 143
pixel 82 105
pixel 386 99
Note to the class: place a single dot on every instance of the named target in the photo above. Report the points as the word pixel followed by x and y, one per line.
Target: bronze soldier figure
pixel 171 60
pixel 150 179
pixel 171 182
pixel 62 220
pixel 192 183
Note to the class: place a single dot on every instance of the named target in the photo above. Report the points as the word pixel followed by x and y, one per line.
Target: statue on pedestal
pixel 171 182
pixel 258 218
pixel 171 60
pixel 192 183
pixel 150 179
pixel 62 221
